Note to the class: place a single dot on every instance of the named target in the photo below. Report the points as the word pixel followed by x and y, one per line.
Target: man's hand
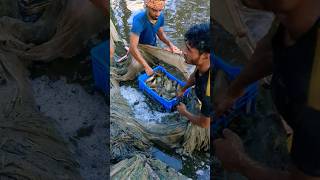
pixel 230 151
pixel 174 49
pixel 182 108
pixel 164 39
pixel 149 70
pixel 134 41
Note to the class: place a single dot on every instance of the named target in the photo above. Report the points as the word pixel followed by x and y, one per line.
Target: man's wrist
pixel 145 65
pixel 185 113
pixel 184 88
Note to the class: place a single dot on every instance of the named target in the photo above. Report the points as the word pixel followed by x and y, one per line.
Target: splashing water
pixel 142 111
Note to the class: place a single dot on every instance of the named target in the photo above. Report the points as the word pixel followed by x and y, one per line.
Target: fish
pixel 163 85
pixel 150 78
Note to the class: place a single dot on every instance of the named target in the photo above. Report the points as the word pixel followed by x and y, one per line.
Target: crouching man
pixel 197 52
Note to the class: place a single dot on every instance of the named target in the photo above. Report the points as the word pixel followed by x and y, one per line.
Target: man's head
pixel 154 8
pixel 197 42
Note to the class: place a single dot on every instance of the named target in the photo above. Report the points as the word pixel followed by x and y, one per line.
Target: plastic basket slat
pixel 168 105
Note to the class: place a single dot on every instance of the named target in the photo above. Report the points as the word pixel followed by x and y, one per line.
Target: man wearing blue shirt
pixel 146 26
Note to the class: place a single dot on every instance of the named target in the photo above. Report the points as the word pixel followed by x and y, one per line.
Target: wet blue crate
pixel 232 72
pixel 243 105
pixel 100 66
pixel 168 105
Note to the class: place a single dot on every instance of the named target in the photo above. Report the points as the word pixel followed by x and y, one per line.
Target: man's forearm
pixel 166 41
pixel 258 67
pixel 190 82
pixel 137 55
pixel 254 71
pixel 164 38
pixel 197 120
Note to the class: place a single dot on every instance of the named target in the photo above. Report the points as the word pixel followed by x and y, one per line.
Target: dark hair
pixel 198 36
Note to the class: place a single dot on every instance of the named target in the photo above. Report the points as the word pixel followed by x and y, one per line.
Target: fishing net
pixel 30 144
pixel 141 167
pixel 176 130
pixel 31 147
pixel 130 137
pixel 131 68
pixel 247 25
pixel 114 37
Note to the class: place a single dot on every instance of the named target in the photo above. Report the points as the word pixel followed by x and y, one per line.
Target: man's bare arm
pixel 258 67
pixel 198 120
pixel 134 41
pixel 162 36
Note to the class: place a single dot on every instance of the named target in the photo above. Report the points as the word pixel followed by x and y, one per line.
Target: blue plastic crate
pixel 100 66
pixel 251 91
pixel 244 105
pixel 166 104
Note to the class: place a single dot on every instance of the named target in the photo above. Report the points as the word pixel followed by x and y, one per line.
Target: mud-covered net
pixel 171 134
pixel 131 68
pixel 247 25
pixel 114 37
pixel 130 138
pixel 31 147
pixel 141 167
pixel 30 144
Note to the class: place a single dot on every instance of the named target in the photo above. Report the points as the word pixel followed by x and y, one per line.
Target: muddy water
pixel 179 16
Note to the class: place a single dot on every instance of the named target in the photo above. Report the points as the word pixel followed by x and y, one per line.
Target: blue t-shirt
pixel 146 31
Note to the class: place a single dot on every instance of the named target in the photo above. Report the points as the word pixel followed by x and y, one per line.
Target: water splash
pixel 142 111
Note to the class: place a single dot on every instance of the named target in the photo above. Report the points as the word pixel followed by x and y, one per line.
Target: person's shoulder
pixel 162 14
pixel 161 17
pixel 140 16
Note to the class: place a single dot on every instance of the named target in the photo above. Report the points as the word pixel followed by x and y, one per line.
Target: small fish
pixel 150 78
pixel 153 84
pixel 162 85
pixel 158 79
pixel 168 85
